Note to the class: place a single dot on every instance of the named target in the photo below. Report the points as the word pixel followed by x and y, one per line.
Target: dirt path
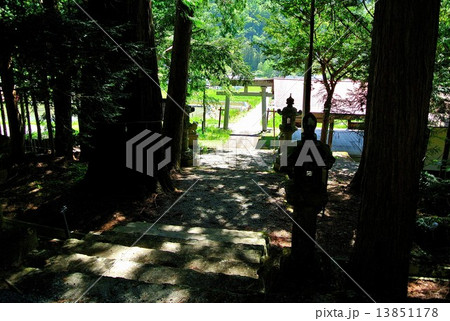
pixel 227 193
pixel 245 132
pixel 250 124
pixel 237 189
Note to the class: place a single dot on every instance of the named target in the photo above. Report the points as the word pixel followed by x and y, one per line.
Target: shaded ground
pixel 234 189
pixel 226 194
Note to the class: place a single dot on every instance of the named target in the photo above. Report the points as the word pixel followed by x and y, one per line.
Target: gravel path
pixel 234 189
pixel 237 189
pixel 250 124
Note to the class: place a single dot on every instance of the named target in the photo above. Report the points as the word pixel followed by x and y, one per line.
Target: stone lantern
pixel 289 113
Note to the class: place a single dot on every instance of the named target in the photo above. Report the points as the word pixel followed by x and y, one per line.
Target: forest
pixel 224 151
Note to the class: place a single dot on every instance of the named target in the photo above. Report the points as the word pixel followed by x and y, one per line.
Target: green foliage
pixel 285 38
pixel 265 69
pixel 216 53
pixel 65 42
pixel 435 195
pixel 428 223
pixel 214 133
pixel 440 101
pixel 256 15
pixel 77 171
pixel 341 38
pixel 215 48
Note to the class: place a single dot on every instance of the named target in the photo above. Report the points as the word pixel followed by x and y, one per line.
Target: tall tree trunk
pixel 356 183
pixel 150 90
pixel 143 108
pixel 63 116
pixel 326 115
pixel 178 78
pixel 20 97
pixel 37 118
pixel 147 91
pixel 204 109
pixel 309 62
pixel 85 119
pixel 48 120
pixel 27 112
pixel 16 130
pixel 61 88
pixel 404 41
pixel 443 172
pixel 2 111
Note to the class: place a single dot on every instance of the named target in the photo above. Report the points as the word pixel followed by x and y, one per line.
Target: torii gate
pixel 261 82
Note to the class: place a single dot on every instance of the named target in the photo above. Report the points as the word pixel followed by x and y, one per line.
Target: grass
pixel 212 132
pixel 270 124
pixel 44 134
pixel 34 135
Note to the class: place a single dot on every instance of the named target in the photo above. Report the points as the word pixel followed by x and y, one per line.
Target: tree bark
pixel 443 173
pixel 16 130
pixel 28 118
pixel 149 91
pixel 356 183
pixel 309 62
pixel 2 111
pixel 404 45
pixel 63 116
pixel 48 120
pixel 148 98
pixel 37 118
pixel 143 108
pixel 326 114
pixel 178 79
pixel 85 120
pixel 204 109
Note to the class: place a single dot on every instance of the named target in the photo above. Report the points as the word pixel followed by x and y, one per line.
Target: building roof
pixel 348 96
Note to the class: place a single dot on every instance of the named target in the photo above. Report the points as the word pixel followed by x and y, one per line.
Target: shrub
pixel 434 195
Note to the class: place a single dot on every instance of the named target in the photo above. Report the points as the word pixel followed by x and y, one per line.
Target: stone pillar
pixel 264 108
pixel 227 112
pixel 186 156
pixel 184 143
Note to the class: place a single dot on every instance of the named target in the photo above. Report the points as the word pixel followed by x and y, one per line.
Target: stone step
pixel 205 248
pixel 153 274
pixel 250 239
pixel 46 286
pixel 187 260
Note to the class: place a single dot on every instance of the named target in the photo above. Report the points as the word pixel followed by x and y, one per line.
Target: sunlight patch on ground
pixel 117 218
pixel 76 284
pixel 170 247
pixel 429 289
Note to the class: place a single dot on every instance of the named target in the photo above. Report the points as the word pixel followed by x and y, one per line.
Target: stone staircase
pixel 167 264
